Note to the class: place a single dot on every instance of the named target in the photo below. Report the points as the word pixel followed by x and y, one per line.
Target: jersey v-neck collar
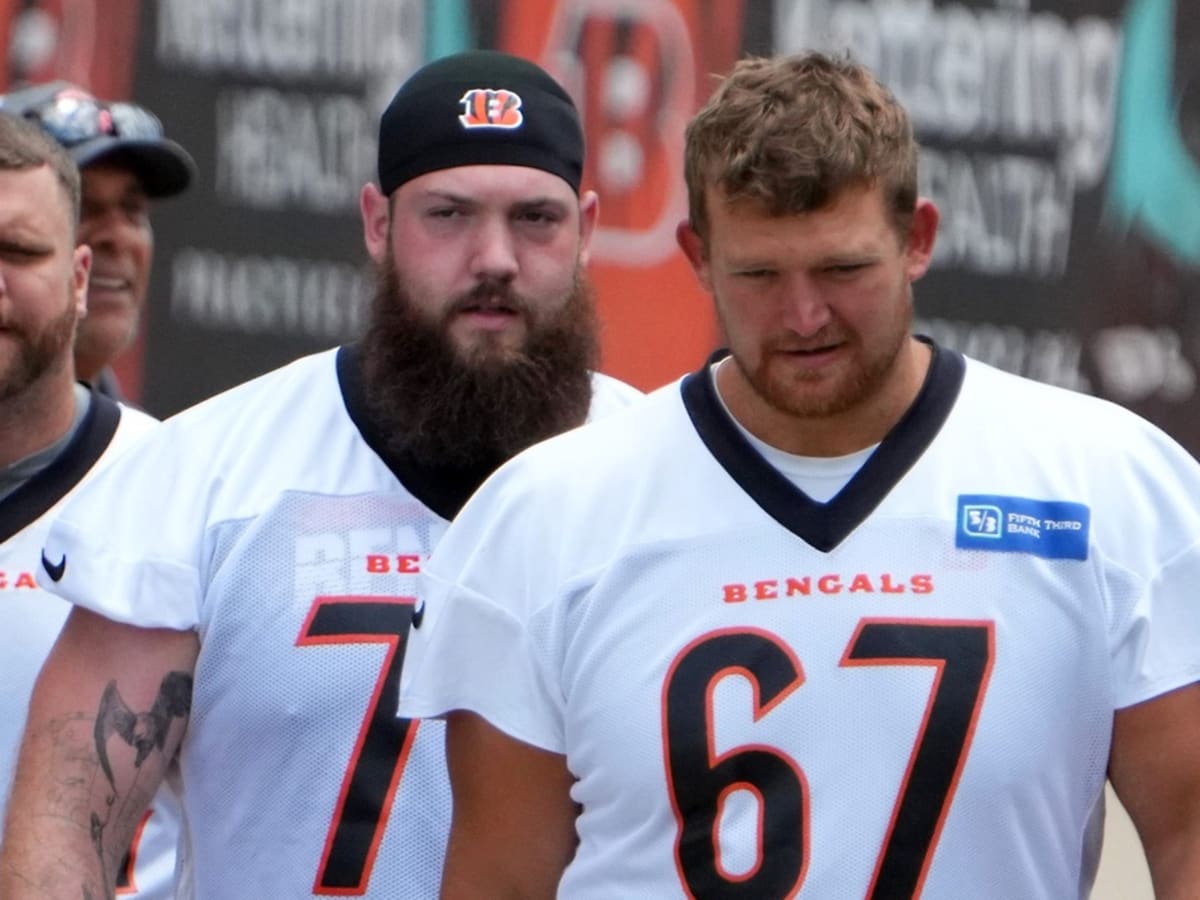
pixel 825 525
pixel 35 497
pixel 444 489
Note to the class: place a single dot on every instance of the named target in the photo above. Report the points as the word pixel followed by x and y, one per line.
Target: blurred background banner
pixel 1061 140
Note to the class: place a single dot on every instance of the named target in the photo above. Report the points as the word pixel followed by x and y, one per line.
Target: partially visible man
pixel 246 577
pixel 841 614
pixel 54 434
pixel 126 163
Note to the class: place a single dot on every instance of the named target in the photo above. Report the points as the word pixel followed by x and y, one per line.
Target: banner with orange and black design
pixel 1060 139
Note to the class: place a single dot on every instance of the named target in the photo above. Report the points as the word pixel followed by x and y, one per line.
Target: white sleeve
pixel 1154 549
pixel 126 544
pixel 472 646
pixel 469 654
pixel 1157 648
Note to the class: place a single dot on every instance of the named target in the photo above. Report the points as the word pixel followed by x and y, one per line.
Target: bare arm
pixel 1155 770
pixel 107 715
pixel 513 830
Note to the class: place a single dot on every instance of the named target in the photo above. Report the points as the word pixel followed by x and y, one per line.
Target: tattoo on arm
pixel 142 732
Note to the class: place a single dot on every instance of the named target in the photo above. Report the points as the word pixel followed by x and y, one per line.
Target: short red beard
pixel 790 396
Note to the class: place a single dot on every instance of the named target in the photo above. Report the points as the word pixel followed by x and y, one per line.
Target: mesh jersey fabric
pixel 908 710
pixel 33 618
pixel 262 520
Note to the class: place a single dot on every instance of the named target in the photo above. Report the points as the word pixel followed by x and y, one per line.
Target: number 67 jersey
pixel 906 691
pixel 267 520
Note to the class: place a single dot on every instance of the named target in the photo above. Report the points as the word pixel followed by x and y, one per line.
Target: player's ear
pixel 376 216
pixel 696 251
pixel 589 214
pixel 81 269
pixel 922 230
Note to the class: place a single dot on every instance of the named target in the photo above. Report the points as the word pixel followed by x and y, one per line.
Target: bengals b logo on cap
pixel 509 111
pixel 489 108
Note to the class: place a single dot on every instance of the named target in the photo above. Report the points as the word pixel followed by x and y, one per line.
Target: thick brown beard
pixel 40 354
pixel 442 409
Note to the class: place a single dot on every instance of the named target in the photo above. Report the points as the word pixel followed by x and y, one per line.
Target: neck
pixel 88 368
pixel 36 417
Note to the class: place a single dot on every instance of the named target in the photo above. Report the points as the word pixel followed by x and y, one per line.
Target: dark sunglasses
pixel 73 118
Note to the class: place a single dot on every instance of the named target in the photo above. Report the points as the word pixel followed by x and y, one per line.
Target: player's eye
pixel 538 215
pixel 846 268
pixel 21 253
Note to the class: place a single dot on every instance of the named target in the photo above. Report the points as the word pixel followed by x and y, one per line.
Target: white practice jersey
pixel 33 618
pixel 265 520
pixel 906 691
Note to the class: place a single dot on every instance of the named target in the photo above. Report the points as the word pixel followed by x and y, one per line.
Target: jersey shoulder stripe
pixel 34 498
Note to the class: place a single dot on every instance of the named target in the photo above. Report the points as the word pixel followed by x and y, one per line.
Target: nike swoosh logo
pixel 418 611
pixel 54 570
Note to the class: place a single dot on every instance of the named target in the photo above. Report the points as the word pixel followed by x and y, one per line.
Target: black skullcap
pixel 481 107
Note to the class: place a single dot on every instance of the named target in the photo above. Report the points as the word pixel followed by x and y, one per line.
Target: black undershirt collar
pixel 31 500
pixel 444 489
